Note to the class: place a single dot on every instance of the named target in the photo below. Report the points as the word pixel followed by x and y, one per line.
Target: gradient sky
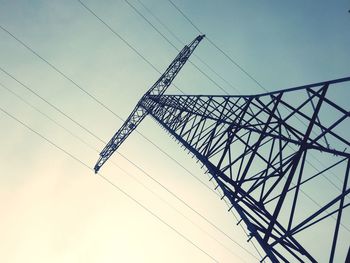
pixel 55 210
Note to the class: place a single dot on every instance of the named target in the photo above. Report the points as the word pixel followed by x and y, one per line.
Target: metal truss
pixel 139 113
pixel 280 158
pixel 268 153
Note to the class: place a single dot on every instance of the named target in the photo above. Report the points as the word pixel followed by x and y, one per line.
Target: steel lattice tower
pixel 274 156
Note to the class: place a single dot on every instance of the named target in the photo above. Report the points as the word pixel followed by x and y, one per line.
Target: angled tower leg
pixel 260 151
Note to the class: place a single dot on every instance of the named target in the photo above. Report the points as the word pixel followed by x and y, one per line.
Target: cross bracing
pixel 260 150
pixel 271 154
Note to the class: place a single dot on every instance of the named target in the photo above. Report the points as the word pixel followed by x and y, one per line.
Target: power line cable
pixel 94 135
pixel 84 90
pixel 161 22
pixel 218 48
pixel 46 115
pixel 60 72
pixel 183 43
pixel 124 41
pixel 89 94
pixel 137 180
pixel 89 131
pixel 50 104
pixel 110 182
pixel 238 65
pixel 167 40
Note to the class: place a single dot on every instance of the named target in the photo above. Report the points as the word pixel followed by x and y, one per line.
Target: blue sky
pixel 55 210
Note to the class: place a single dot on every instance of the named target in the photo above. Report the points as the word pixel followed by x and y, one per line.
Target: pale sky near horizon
pixel 55 210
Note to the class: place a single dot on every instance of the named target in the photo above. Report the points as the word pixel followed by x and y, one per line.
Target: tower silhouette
pixel 280 158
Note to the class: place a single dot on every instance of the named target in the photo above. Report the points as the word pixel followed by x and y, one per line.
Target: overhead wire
pixel 88 93
pixel 124 41
pixel 110 182
pixel 60 72
pixel 137 180
pixel 183 43
pixel 122 155
pixel 167 40
pixel 89 131
pixel 100 103
pixel 92 97
pixel 95 136
pixel 96 100
pixel 218 48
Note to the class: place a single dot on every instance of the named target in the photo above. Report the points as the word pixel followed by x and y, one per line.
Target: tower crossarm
pixel 139 112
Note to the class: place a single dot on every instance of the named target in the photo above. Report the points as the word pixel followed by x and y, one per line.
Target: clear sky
pixel 55 210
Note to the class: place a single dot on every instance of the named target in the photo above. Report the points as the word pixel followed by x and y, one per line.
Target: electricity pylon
pixel 280 158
